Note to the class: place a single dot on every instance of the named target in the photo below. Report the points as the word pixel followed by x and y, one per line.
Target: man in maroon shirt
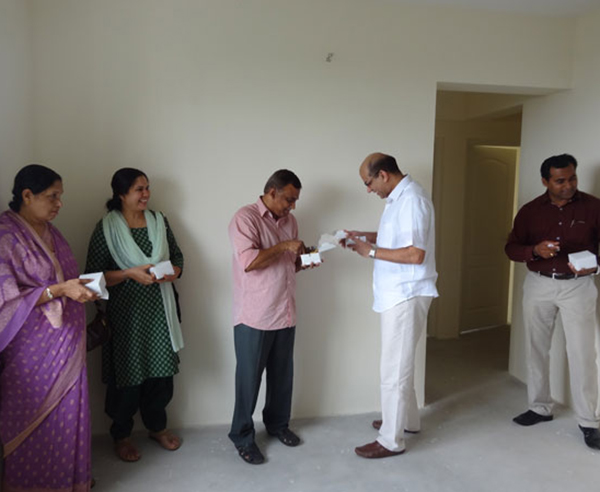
pixel 561 221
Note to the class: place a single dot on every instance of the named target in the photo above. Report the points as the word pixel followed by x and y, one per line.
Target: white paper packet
pixel 97 284
pixel 162 268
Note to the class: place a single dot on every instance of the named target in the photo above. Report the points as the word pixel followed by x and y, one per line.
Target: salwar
pixel 150 398
pixel 257 351
pixel 401 328
pixel 574 300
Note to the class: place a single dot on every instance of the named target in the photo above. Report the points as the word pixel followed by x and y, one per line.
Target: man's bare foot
pixel 167 439
pixel 126 450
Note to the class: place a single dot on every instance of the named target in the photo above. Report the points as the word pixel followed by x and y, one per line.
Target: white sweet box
pixel 583 260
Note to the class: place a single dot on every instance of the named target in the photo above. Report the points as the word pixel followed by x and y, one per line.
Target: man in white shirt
pixel 404 276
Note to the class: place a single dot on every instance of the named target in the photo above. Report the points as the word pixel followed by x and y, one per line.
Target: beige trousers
pixel 575 302
pixel 401 328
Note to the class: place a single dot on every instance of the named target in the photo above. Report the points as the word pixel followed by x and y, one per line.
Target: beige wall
pixel 15 92
pixel 210 96
pixel 566 122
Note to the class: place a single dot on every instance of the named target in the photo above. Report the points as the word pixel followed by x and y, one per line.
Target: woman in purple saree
pixel 44 410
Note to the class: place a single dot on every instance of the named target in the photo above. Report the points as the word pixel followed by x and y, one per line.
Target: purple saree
pixel 44 408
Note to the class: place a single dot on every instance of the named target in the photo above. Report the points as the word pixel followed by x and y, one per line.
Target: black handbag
pixel 98 331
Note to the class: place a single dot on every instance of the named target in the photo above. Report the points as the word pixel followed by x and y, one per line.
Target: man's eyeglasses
pixel 368 183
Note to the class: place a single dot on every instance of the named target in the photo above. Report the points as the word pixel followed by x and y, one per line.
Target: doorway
pixel 476 159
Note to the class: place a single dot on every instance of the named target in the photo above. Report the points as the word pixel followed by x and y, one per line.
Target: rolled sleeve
pixel 244 240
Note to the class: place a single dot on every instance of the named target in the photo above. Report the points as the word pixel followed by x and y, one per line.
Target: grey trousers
pixel 257 351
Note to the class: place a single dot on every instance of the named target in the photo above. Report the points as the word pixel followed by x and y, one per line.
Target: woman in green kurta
pixel 139 361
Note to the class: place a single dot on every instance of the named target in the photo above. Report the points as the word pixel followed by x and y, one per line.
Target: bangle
pixel 372 252
pixel 49 294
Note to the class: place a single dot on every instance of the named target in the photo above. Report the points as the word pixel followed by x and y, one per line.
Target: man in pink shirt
pixel 266 257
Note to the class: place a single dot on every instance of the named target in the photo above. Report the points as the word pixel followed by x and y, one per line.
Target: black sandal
pixel 287 437
pixel 251 454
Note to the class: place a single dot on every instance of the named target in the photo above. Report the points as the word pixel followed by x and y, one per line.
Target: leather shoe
pixel 591 436
pixel 374 450
pixel 531 418
pixel 378 423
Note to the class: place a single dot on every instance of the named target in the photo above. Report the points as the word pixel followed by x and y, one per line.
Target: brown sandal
pixel 166 439
pixel 126 450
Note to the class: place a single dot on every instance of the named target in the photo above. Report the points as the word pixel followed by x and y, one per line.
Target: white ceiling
pixel 538 7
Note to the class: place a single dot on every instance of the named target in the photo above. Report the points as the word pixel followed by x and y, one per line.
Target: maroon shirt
pixel 575 225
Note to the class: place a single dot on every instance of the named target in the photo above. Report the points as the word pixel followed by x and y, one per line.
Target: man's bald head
pixel 380 174
pixel 376 162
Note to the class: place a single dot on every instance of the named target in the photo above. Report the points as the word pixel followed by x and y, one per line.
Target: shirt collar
pixel 546 198
pixel 399 189
pixel 264 210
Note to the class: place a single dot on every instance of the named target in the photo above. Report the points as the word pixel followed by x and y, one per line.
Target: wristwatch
pixel 372 252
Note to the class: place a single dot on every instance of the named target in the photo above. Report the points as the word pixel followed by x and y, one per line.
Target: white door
pixel 489 208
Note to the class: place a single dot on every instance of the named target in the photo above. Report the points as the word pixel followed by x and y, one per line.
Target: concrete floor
pixel 468 443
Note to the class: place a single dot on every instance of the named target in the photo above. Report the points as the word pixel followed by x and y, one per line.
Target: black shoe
pixel 591 436
pixel 251 454
pixel 531 418
pixel 287 437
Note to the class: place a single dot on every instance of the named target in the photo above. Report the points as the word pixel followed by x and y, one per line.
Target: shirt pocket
pixel 580 230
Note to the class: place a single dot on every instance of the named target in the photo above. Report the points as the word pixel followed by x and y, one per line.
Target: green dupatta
pixel 127 254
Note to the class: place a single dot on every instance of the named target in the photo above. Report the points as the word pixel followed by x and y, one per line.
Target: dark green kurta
pixel 140 347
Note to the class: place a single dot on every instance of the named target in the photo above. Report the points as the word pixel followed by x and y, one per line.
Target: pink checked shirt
pixel 264 299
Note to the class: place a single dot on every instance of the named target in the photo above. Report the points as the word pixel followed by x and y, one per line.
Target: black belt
pixel 561 276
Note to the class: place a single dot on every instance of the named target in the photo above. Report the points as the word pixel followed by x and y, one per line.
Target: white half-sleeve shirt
pixel 407 220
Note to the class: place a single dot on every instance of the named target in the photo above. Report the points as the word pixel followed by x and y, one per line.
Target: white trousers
pixel 401 328
pixel 575 301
